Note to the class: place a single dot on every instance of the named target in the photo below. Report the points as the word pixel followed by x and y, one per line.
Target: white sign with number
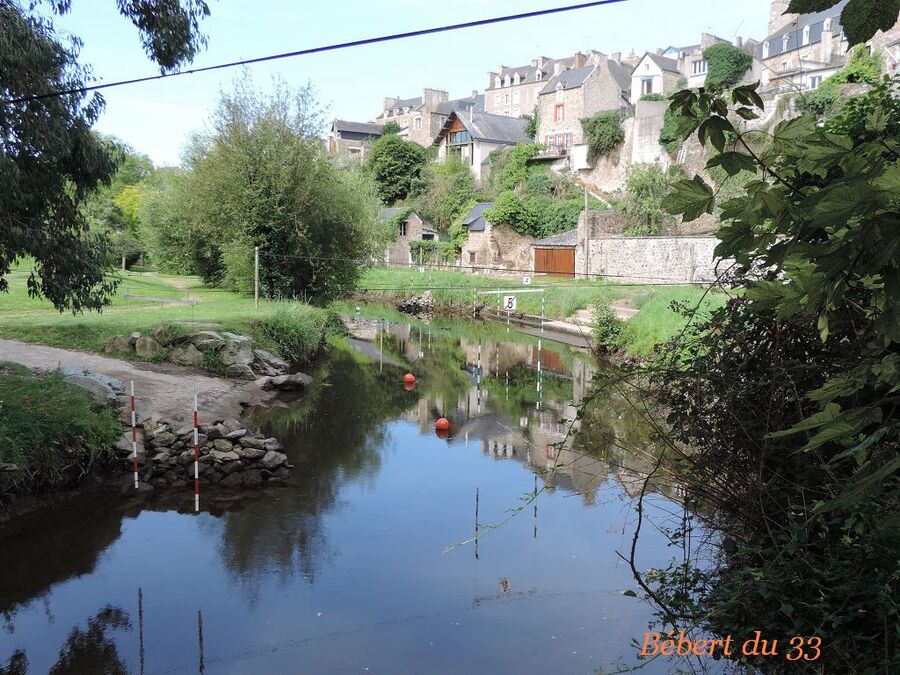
pixel 526 281
pixel 509 303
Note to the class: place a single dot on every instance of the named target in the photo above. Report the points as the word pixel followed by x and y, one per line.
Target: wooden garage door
pixel 557 262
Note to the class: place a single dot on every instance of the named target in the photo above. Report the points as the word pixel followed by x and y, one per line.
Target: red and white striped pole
pixel 196 457
pixel 134 454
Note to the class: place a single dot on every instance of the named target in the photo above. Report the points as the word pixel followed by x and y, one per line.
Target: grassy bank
pixel 279 326
pixel 49 431
pixel 655 322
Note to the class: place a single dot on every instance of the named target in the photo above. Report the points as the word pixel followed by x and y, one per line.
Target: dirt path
pixel 162 390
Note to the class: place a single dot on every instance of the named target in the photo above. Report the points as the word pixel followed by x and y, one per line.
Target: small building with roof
pixel 409 227
pixel 352 139
pixel 472 136
pixel 492 247
pixel 421 118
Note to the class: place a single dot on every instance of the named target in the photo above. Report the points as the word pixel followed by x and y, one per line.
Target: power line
pixel 318 50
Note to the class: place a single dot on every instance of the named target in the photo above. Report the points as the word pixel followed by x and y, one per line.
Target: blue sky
pixel 156 118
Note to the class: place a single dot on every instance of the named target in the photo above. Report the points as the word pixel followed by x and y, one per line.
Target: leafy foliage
pixel 390 128
pixel 653 97
pixel 826 101
pixel 603 132
pixel 296 331
pixel 727 64
pixel 395 164
pixel 788 394
pixel 645 188
pixel 443 192
pixel 534 123
pixel 606 328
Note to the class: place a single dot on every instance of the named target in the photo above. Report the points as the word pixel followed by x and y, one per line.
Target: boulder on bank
pixel 103 390
pixel 292 382
pixel 146 346
pixel 418 304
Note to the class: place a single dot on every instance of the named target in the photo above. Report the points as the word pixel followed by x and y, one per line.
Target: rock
pixel 8 468
pixel 220 456
pixel 216 431
pixel 231 467
pixel 236 351
pixel 292 382
pixel 418 304
pixel 232 424
pixel 251 442
pixel 267 358
pixel 222 445
pixel 161 428
pixel 234 337
pixel 134 337
pixel 186 456
pixel 205 340
pixel 118 343
pixel 147 346
pixel 162 439
pixel 186 355
pixel 177 445
pixel 272 444
pixel 184 432
pixel 240 371
pixel 103 390
pixel 252 478
pixel 160 457
pixel 272 460
pixel 160 334
pixel 124 442
pixel 232 480
pixel 234 435
pixel 250 453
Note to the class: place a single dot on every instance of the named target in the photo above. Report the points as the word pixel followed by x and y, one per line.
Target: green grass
pixel 50 431
pixel 31 320
pixel 562 297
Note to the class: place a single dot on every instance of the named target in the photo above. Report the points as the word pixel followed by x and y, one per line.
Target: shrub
pixel 296 331
pixel 534 123
pixel 394 164
pixel 50 431
pixel 645 187
pixel 826 101
pixel 431 251
pixel 670 136
pixel 654 97
pixel 603 132
pixel 390 128
pixel 606 328
pixel 727 64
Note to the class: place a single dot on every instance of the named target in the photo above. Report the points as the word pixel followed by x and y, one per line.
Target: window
pixel 784 65
pixel 506 98
pixel 551 140
pixel 516 79
pixel 765 50
pixel 827 24
pixel 647 85
pixel 815 81
pixel 471 257
pixel 506 81
pixel 806 35
pixel 498 82
pixel 496 99
pixel 785 41
pixel 458 144
pixel 427 236
pixel 568 139
pixel 538 75
pixel 646 66
pixel 559 113
pixel 403 228
pixel 417 123
pixel 699 67
pixel 516 96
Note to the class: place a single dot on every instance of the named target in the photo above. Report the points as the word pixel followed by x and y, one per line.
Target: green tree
pixel 863 67
pixel 860 19
pixel 787 395
pixel 534 123
pixel 443 192
pixel 390 128
pixel 603 132
pixel 727 64
pixel 645 187
pixel 262 178
pixel 395 164
pixel 50 161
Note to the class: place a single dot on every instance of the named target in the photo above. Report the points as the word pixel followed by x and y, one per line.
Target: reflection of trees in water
pixel 44 548
pixel 332 436
pixel 89 651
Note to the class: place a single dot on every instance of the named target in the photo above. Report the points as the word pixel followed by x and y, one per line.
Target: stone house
pixel 411 228
pixel 596 82
pixel 655 74
pixel 513 91
pixel 352 139
pixel 421 118
pixel 490 246
pixel 472 136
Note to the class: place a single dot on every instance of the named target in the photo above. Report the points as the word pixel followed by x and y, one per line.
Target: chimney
pixel 579 60
pixel 492 76
pixel 474 93
pixel 659 52
pixel 431 98
pixel 617 56
pixel 777 17
pixel 739 42
pixel 558 67
pixel 827 45
pixel 390 102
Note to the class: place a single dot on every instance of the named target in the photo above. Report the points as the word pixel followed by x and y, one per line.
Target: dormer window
pixel 516 79
pixel 827 24
pixel 806 35
pixel 765 50
pixel 785 40
pixel 506 81
pixel 538 75
pixel 498 82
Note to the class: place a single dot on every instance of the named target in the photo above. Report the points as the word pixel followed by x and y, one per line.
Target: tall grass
pixel 294 330
pixel 50 431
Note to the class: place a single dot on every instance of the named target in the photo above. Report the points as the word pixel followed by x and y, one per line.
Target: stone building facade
pixel 352 139
pixel 513 91
pixel 421 118
pixel 598 83
pixel 473 136
pixel 412 228
pixel 494 246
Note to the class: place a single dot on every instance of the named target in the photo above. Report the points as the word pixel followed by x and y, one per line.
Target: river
pixel 361 563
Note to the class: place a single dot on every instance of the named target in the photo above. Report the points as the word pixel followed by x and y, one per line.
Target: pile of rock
pixel 235 353
pixel 418 304
pixel 230 455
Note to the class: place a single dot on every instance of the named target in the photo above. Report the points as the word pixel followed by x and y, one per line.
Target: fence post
pixel 256 276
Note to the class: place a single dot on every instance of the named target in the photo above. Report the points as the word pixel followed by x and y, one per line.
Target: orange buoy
pixel 409 386
pixel 443 434
pixel 409 378
pixel 443 424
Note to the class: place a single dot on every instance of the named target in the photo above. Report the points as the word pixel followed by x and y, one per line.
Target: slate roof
pixel 357 127
pixel 794 30
pixel 665 63
pixel 474 220
pixel 566 239
pixel 485 127
pixel 570 79
pixel 528 73
pixel 462 104
pixel 621 72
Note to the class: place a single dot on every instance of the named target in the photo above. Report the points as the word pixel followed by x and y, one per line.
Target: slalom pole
pixel 196 458
pixel 134 453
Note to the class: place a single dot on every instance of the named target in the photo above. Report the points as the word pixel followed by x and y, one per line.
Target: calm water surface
pixel 346 568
